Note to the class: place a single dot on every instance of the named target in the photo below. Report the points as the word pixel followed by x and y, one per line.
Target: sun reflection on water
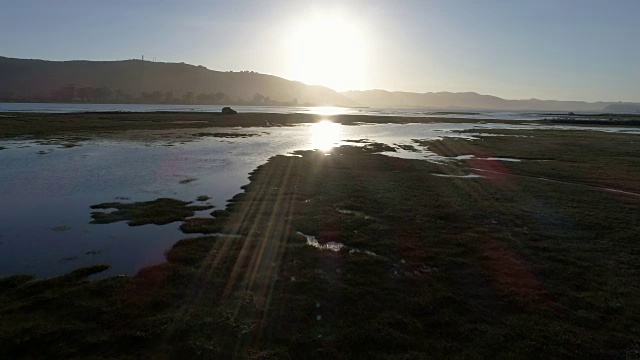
pixel 325 135
pixel 328 110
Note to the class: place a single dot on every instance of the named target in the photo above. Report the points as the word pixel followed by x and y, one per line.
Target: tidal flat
pixel 536 257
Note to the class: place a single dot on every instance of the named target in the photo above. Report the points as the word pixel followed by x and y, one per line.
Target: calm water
pixel 412 112
pixel 46 190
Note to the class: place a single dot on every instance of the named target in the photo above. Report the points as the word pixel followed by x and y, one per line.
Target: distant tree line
pixel 103 95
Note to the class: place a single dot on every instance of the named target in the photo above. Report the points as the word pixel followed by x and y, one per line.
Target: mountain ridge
pixel 137 80
pixel 39 78
pixel 473 100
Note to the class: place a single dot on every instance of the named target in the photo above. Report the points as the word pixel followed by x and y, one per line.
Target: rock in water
pixel 228 110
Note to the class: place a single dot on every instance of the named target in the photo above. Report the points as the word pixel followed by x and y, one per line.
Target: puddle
pixel 467 176
pixel 621 191
pixel 473 157
pixel 354 213
pixel 398 269
pixel 332 246
pixel 371 253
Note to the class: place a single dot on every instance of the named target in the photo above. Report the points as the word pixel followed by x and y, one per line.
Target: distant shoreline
pixel 75 107
pixel 16 124
pixel 34 124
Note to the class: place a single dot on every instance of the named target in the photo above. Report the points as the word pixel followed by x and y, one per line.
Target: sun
pixel 329 50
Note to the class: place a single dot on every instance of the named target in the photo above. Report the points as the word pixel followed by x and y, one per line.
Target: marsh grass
pixel 500 267
pixel 407 147
pixel 220 213
pixel 597 119
pixel 201 226
pixel 187 181
pixel 586 157
pixel 160 211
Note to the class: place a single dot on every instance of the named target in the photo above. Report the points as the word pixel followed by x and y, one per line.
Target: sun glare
pixel 328 50
pixel 327 110
pixel 325 135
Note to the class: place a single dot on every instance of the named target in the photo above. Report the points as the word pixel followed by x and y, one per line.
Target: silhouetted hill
pixel 623 108
pixel 48 80
pixel 178 83
pixel 471 100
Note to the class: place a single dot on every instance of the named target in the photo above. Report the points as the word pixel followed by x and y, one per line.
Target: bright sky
pixel 546 49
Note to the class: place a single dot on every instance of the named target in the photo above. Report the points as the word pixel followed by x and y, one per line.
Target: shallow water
pixel 46 190
pixel 332 245
pixel 320 110
pixel 467 176
pixel 473 157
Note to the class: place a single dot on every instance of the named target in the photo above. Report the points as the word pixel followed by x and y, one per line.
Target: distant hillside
pixel 623 108
pixel 471 100
pixel 135 80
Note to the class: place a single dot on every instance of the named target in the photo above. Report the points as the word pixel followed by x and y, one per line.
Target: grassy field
pixel 535 259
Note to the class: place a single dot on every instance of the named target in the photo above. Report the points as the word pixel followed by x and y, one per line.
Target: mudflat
pixel 43 124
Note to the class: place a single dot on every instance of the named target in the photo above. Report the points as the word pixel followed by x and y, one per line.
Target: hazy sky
pixel 546 49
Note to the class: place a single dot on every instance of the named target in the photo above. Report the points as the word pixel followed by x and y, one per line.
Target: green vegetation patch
pixel 596 119
pixel 87 271
pixel 58 317
pixel 220 213
pixel 160 211
pixel 187 181
pixel 202 226
pixel 407 147
pixel 593 158
pixel 14 281
pixel 191 252
pixel 372 146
